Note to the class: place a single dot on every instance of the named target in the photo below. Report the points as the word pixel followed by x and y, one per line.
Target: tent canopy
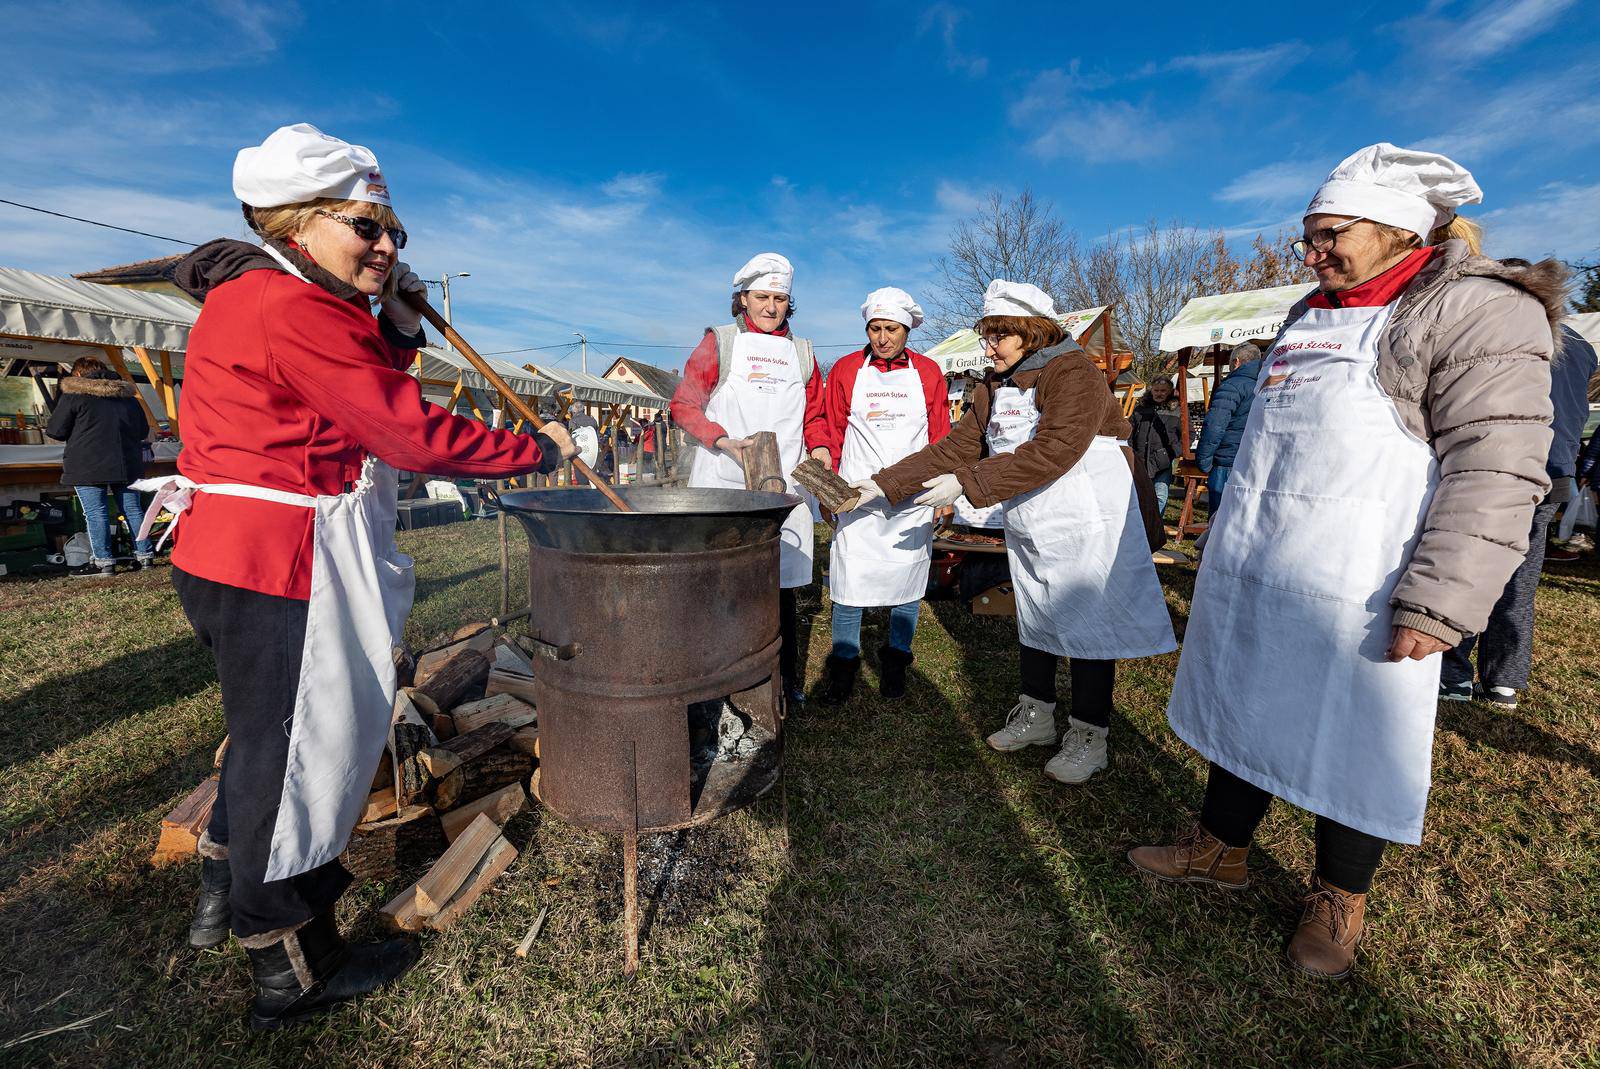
pixel 445 365
pixel 51 308
pixel 1587 324
pixel 962 351
pixel 592 388
pixel 1231 318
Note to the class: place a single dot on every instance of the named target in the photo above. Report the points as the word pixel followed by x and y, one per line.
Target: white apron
pixel 763 392
pixel 1284 679
pixel 361 590
pixel 1080 559
pixel 881 553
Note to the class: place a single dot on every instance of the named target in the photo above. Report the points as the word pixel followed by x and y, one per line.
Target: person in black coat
pixel 100 420
pixel 1156 434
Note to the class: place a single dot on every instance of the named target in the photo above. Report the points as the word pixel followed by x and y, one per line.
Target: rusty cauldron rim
pixel 666 520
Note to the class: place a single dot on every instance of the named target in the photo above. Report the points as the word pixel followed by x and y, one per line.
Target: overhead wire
pixel 96 222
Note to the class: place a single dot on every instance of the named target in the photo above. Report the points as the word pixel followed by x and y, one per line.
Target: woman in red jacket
pixel 297 411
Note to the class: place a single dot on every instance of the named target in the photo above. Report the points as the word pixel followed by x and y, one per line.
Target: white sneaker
pixel 1083 753
pixel 1030 722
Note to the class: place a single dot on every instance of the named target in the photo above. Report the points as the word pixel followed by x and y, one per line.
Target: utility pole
pixel 444 283
pixel 583 351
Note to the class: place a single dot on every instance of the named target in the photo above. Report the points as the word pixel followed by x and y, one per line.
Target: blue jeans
pixel 1163 485
pixel 1215 481
pixel 847 628
pixel 97 517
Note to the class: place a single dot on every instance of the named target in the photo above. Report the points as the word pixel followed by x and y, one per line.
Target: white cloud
pixel 945 19
pixel 1561 109
pixel 1061 123
pixel 1562 220
pixel 1276 183
pixel 1494 28
pixel 639 185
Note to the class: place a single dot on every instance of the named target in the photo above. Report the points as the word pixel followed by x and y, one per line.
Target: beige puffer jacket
pixel 1466 360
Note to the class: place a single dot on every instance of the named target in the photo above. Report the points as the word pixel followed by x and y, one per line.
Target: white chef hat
pixel 892 303
pixel 766 271
pixel 300 163
pixel 1403 187
pixel 1004 298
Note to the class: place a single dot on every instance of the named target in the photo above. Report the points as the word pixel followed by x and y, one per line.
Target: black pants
pixel 789 635
pixel 1233 808
pixel 1092 682
pixel 1505 649
pixel 257 640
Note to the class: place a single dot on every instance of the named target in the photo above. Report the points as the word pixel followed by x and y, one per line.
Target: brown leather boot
pixel 1330 927
pixel 1197 857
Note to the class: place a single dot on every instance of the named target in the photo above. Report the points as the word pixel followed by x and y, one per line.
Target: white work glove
pixel 870 492
pixel 406 319
pixel 941 490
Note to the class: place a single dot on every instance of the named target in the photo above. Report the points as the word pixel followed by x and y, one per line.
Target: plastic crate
pixel 22 535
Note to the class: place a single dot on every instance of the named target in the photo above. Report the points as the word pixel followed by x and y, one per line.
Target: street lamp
pixel 445 282
pixel 584 351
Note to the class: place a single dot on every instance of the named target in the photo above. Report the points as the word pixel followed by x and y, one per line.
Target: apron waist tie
pixel 175 493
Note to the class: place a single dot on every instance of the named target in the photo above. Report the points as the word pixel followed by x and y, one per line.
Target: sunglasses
pixel 368 228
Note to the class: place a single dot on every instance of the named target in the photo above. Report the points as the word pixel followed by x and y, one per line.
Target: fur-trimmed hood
pixel 96 387
pixel 1546 281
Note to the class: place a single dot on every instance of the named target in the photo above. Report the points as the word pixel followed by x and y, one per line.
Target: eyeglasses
pixel 992 341
pixel 1322 240
pixel 368 228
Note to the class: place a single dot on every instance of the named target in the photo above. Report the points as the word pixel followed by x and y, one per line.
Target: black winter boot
pixel 838 679
pixel 313 968
pixel 892 665
pixel 211 913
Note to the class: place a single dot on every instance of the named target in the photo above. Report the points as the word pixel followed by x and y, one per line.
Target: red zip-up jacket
pixel 700 379
pixel 839 392
pixel 289 387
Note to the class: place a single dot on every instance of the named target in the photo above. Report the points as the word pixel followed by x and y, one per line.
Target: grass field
pixel 932 903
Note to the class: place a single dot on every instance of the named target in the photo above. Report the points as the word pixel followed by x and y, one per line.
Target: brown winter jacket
pixel 1074 405
pixel 1466 360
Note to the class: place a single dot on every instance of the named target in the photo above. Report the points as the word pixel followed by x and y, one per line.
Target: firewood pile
pixel 463 747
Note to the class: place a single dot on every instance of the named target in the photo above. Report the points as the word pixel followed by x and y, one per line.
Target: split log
pixel 517 684
pixel 383 849
pixel 380 804
pixel 384 777
pixel 495 860
pixel 499 806
pixel 763 465
pixel 401 910
pixel 526 740
pixel 458 679
pixel 181 829
pixel 440 883
pixel 474 744
pixel 408 735
pixel 503 708
pixel 405 665
pixel 484 776
pixel 438 761
pixel 507 658
pixel 222 751
pixel 831 492
pixel 481 640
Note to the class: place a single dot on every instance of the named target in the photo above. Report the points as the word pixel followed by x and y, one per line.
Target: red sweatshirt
pixel 288 387
pixel 700 379
pixel 840 392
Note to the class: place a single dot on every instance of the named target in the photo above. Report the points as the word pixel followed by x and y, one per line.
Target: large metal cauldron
pixel 639 616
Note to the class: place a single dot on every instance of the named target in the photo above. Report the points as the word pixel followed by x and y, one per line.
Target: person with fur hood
pixel 103 426
pixel 1382 495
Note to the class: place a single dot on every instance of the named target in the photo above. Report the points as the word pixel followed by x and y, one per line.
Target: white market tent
pixel 47 319
pixel 1231 318
pixel 1588 325
pixel 593 389
pixel 963 351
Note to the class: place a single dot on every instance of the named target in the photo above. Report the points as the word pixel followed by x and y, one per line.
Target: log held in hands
pixel 832 492
pixel 763 465
pixel 442 325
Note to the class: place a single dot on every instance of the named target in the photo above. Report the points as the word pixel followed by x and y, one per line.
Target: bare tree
pixel 1162 267
pixel 1019 239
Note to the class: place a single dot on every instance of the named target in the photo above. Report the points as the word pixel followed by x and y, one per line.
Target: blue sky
pixel 605 168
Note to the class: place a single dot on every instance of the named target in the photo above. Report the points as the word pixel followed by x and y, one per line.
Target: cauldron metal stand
pixel 635 617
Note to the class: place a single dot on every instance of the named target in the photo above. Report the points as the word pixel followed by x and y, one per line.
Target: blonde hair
pixel 1459 229
pixel 286 220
